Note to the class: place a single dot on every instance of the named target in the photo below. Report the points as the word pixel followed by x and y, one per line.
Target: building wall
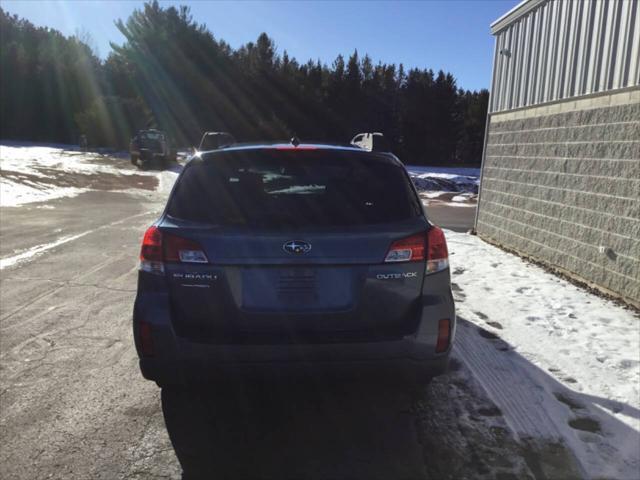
pixel 555 49
pixel 562 180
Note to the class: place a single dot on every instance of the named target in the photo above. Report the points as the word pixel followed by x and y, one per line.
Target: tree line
pixel 172 73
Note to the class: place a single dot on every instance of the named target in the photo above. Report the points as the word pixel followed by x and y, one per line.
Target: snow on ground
pixel 29 159
pixel 562 364
pixel 14 193
pixel 35 173
pixel 463 197
pixel 441 184
pixel 167 178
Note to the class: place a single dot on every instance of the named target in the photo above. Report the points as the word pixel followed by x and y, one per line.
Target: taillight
pixel 444 335
pixel 151 252
pixel 437 254
pixel 410 249
pixel 158 248
pixel 178 249
pixel 432 246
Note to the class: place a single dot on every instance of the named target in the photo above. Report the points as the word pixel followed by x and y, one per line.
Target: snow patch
pixel 438 183
pixel 42 161
pixel 38 250
pixel 34 252
pixel 463 197
pixel 471 203
pixel 167 178
pixel 435 194
pixel 560 362
pixel 13 194
pixel 37 173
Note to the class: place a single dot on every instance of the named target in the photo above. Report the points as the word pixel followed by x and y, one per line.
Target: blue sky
pixel 450 35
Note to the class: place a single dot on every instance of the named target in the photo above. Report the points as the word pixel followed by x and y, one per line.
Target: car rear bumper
pixel 193 363
pixel 179 360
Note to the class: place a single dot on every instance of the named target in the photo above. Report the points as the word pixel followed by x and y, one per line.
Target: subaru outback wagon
pixel 292 256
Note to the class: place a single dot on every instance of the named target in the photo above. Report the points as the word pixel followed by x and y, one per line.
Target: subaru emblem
pixel 297 247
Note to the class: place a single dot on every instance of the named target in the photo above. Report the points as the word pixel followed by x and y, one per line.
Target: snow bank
pixel 33 159
pixel 167 178
pixel 13 194
pixel 463 197
pixel 564 363
pixel 437 184
pixel 35 173
pixel 443 179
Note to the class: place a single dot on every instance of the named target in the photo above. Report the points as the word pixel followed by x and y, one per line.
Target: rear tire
pixel 134 160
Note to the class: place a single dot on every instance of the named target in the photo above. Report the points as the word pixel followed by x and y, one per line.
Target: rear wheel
pixel 134 159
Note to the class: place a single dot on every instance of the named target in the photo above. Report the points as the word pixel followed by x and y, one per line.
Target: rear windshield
pixel 284 189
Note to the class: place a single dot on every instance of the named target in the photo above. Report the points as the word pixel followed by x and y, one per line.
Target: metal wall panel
pixel 566 48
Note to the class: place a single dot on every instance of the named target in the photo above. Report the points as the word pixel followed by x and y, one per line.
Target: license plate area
pixel 296 289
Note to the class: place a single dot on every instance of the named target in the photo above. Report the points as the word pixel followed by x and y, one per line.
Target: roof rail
pixel 371 141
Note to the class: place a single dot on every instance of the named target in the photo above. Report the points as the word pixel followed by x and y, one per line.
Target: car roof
pixel 300 147
pixel 303 147
pixel 290 146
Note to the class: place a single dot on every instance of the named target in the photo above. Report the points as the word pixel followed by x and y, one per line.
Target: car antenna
pixel 295 141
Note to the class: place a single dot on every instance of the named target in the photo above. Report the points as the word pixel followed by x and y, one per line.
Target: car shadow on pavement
pixel 310 428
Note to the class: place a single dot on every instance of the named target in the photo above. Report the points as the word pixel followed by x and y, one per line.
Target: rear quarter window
pixel 270 188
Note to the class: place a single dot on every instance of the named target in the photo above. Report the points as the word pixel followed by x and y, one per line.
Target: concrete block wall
pixel 561 184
